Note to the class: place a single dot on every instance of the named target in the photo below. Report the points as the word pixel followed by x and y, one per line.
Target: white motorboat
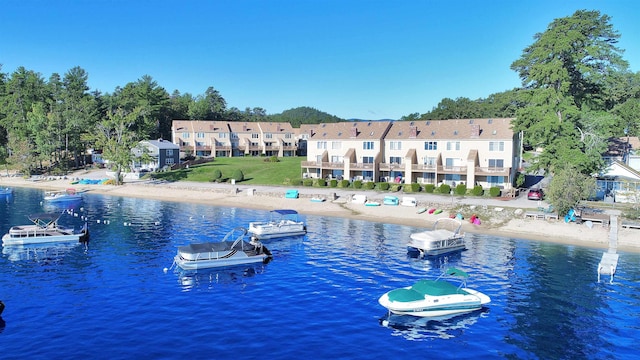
pixel 445 237
pixel 283 223
pixel 439 297
pixel 64 195
pixel 232 250
pixel 45 229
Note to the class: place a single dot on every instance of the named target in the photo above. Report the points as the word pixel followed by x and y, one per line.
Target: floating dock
pixel 609 262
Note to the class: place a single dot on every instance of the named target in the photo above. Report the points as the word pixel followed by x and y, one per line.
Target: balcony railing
pixel 324 165
pixel 365 166
pixel 492 171
pixel 424 167
pixel 452 169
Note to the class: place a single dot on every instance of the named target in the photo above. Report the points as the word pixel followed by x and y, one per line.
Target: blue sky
pixel 353 59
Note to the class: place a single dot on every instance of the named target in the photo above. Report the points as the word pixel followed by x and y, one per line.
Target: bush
pixel 321 183
pixel 413 187
pixel 396 187
pixel 273 159
pixel 357 184
pixel 478 190
pixel 384 186
pixel 444 189
pixel 238 175
pixel 216 175
pixel 343 183
pixel 296 182
pixel 494 191
pixel 461 189
pixel 333 183
pixel 429 188
pixel 369 185
pixel 307 182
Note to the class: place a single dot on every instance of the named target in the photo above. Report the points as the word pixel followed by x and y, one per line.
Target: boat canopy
pixel 44 219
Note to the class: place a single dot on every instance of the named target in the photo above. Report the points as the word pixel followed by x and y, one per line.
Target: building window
pixel 322 145
pixel 287 136
pixel 453 145
pixel 255 136
pixel 169 161
pixel 367 159
pixel 268 135
pixel 429 161
pixel 337 159
pixel 234 136
pixel 395 160
pixel 222 135
pixel 169 152
pixel 495 180
pixel 496 163
pixel 395 145
pixel 185 135
pixel 200 135
pixel 368 145
pixel 496 145
pixel 431 145
pixel 336 145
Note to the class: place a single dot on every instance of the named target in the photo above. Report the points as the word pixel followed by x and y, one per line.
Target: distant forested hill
pixel 304 115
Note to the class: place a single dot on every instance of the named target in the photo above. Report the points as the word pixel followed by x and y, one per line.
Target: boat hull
pixel 219 262
pixel 271 230
pixel 25 235
pixel 436 242
pixel 433 306
pixel 220 254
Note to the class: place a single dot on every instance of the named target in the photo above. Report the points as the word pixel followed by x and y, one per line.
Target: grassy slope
pixel 256 170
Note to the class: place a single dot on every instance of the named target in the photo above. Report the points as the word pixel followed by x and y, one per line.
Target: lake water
pixel 317 298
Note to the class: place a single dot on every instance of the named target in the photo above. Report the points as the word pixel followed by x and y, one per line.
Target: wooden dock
pixel 609 262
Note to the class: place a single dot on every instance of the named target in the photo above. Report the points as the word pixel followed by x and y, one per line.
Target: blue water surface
pixel 317 298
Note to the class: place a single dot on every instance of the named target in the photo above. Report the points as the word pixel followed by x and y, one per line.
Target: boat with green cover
pixel 439 297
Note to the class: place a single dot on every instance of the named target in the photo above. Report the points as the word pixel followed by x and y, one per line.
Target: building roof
pixel 455 129
pixel 162 144
pixel 618 146
pixel 276 127
pixel 200 126
pixel 357 130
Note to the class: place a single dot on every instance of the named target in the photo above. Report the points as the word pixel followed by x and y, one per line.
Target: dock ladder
pixel 609 262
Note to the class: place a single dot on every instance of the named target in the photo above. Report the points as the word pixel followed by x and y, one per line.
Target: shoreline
pixel 500 218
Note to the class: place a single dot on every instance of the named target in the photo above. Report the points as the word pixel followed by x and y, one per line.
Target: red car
pixel 535 194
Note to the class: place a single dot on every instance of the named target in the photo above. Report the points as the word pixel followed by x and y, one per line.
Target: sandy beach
pixel 499 217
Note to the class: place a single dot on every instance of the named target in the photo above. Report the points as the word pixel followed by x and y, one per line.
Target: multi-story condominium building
pixel 227 138
pixel 472 151
pixel 353 150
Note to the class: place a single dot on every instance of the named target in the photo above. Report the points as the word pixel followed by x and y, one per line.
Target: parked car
pixel 535 194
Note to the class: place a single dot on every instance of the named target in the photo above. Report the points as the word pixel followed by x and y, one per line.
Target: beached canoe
pixel 421 210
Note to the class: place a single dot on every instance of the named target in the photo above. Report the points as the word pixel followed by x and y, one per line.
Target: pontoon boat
pixel 232 250
pixel 282 223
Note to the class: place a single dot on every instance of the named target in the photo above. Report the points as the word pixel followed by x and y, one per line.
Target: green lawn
pixel 256 170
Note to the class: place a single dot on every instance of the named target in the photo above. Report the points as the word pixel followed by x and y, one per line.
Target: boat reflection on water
pixel 434 262
pixel 422 328
pixel 191 279
pixel 71 206
pixel 41 253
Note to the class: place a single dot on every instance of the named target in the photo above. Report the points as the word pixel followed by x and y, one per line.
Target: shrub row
pixel 460 189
